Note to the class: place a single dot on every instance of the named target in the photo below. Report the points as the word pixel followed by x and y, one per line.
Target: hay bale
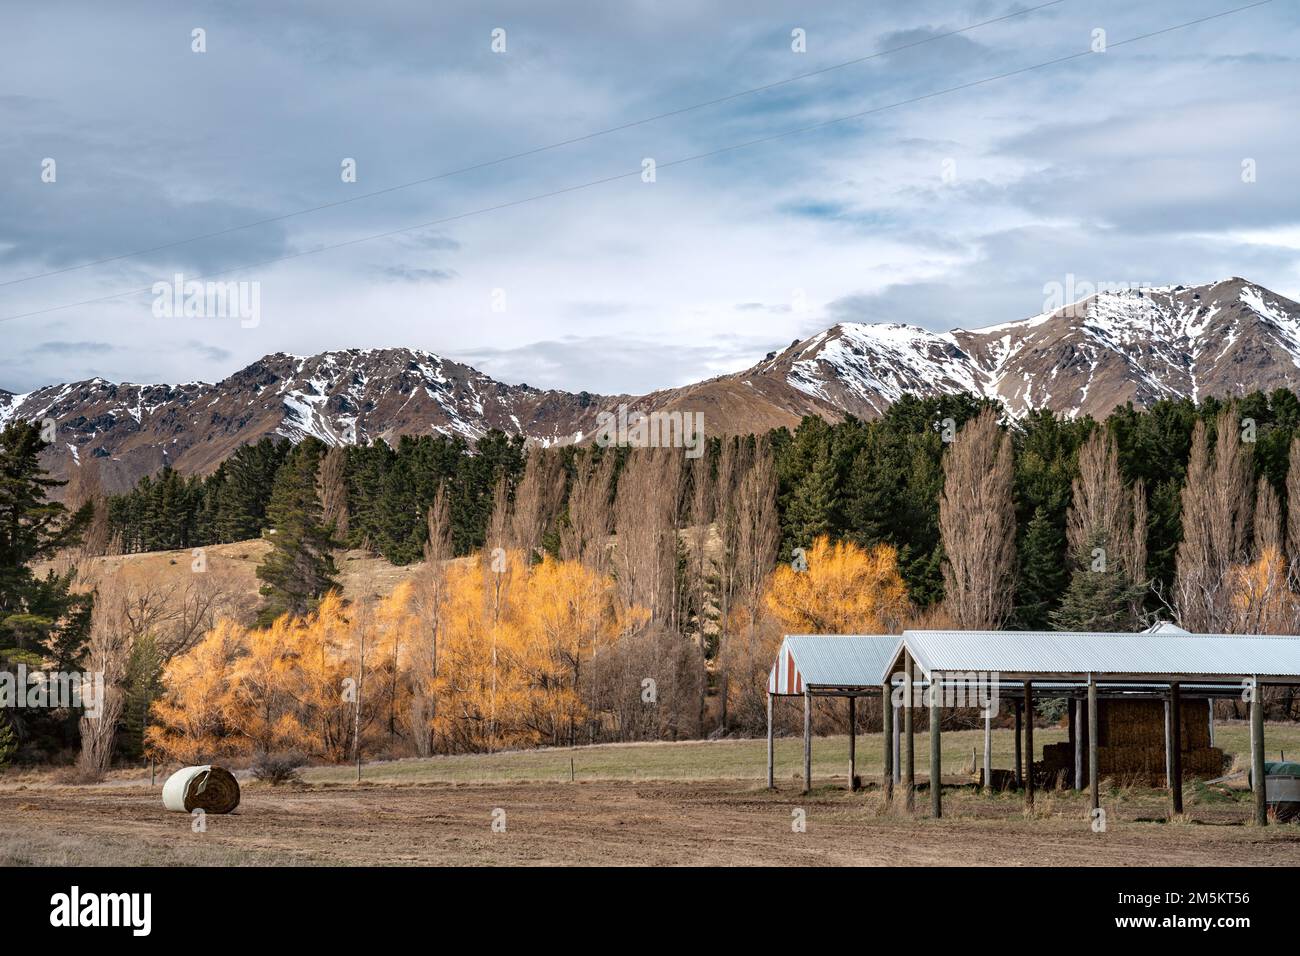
pixel 207 788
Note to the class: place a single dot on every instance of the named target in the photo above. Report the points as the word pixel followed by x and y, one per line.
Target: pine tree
pixel 811 504
pixel 34 612
pixel 244 492
pixel 1101 595
pixel 299 569
pixel 1043 574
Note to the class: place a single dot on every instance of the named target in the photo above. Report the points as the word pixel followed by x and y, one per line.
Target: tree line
pixel 687 571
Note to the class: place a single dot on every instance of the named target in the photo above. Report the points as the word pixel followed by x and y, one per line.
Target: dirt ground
pixel 617 823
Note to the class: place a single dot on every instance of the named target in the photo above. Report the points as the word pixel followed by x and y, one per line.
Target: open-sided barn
pixel 1139 703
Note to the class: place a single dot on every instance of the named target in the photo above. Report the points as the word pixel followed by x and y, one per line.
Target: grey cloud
pixel 73 348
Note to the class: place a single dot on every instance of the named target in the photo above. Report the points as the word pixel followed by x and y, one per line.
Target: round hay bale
pixel 207 788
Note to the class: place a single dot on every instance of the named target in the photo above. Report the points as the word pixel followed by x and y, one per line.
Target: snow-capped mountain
pixel 339 397
pixel 1141 345
pixel 1222 339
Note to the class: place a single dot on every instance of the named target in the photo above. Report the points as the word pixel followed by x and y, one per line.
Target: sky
pixel 1166 160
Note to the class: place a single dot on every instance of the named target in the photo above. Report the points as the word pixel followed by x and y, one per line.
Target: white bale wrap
pixel 207 788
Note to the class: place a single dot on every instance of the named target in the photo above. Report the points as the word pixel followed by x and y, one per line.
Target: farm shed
pixel 827 665
pixel 1165 665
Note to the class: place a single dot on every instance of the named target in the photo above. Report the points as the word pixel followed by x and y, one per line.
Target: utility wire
pixel 530 152
pixel 664 165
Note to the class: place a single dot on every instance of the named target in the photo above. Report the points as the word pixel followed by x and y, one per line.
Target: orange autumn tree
pixel 513 668
pixel 516 642
pixel 321 645
pixel 195 716
pixel 844 590
pixel 289 686
pixel 566 614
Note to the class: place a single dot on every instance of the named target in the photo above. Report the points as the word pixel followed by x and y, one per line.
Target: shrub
pixel 278 768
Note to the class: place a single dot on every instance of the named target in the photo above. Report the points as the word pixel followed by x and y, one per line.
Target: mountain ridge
pixel 1084 358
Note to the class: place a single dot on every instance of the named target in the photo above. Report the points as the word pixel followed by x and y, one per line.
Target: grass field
pixel 663 804
pixel 740 759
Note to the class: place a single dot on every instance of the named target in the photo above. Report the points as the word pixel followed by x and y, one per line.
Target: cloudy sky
pixel 941 210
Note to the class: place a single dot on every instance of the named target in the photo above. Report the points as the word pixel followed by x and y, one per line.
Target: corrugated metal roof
pixel 831 660
pixel 1080 653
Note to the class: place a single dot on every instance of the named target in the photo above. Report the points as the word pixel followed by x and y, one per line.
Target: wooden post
pixel 853 744
pixel 909 733
pixel 807 740
pixel 771 755
pixel 1257 754
pixel 1094 766
pixel 1029 745
pixel 1015 772
pixel 1175 749
pixel 936 751
pixel 898 747
pixel 1169 745
pixel 988 750
pixel 1079 727
pixel 1209 705
pixel 887 734
pixel 1072 720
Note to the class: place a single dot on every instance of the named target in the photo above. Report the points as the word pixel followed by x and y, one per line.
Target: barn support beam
pixel 898 747
pixel 888 736
pixel 807 740
pixel 936 750
pixel 1175 750
pixel 1094 766
pixel 1015 772
pixel 771 762
pixel 988 749
pixel 1079 725
pixel 1072 736
pixel 1029 745
pixel 1169 747
pixel 1257 753
pixel 853 744
pixel 909 735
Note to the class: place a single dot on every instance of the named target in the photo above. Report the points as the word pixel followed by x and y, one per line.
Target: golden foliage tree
pixel 845 590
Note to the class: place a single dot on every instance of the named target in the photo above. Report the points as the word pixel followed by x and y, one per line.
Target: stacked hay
pixel 1132 743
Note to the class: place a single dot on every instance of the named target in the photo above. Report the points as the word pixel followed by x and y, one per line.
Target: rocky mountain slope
pixel 1220 339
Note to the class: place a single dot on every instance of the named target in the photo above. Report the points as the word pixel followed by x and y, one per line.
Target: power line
pixel 670 163
pixel 530 152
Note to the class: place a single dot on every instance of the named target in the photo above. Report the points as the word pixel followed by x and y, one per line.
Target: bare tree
pixel 85 488
pixel 332 490
pixel 978 525
pixel 701 538
pixel 1293 513
pixel 585 535
pixel 758 531
pixel 537 500
pixel 1106 522
pixel 1101 507
pixel 1216 515
pixel 646 512
pixel 108 655
pixel 430 597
